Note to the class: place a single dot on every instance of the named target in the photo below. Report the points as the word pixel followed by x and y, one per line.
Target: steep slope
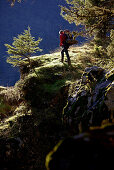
pixel 32 123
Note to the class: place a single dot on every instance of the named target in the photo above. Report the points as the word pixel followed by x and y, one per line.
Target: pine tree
pixel 22 48
pixel 13 2
pixel 96 15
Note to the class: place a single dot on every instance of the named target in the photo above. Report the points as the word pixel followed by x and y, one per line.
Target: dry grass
pixel 11 95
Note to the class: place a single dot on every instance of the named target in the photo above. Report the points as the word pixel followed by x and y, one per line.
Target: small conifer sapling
pixel 22 48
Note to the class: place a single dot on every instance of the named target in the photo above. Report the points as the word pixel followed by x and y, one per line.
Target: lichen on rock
pixel 92 101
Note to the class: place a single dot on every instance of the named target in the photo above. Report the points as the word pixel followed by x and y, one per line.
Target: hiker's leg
pixel 62 55
pixel 67 54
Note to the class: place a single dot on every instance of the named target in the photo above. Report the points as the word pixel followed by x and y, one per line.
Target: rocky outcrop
pixel 91 150
pixel 110 92
pixel 91 101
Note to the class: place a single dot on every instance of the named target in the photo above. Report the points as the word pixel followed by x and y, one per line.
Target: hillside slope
pixel 32 111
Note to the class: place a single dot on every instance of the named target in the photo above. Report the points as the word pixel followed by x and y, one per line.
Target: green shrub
pixel 110 48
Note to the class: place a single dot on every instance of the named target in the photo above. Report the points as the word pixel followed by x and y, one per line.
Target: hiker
pixel 64 45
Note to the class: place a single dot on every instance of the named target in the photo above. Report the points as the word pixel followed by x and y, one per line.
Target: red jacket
pixel 63 39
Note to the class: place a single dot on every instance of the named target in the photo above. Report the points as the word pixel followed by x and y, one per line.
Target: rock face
pixel 92 99
pixel 90 103
pixel 92 150
pixel 110 97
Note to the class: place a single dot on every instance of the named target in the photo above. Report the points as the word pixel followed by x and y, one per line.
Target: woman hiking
pixel 65 46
